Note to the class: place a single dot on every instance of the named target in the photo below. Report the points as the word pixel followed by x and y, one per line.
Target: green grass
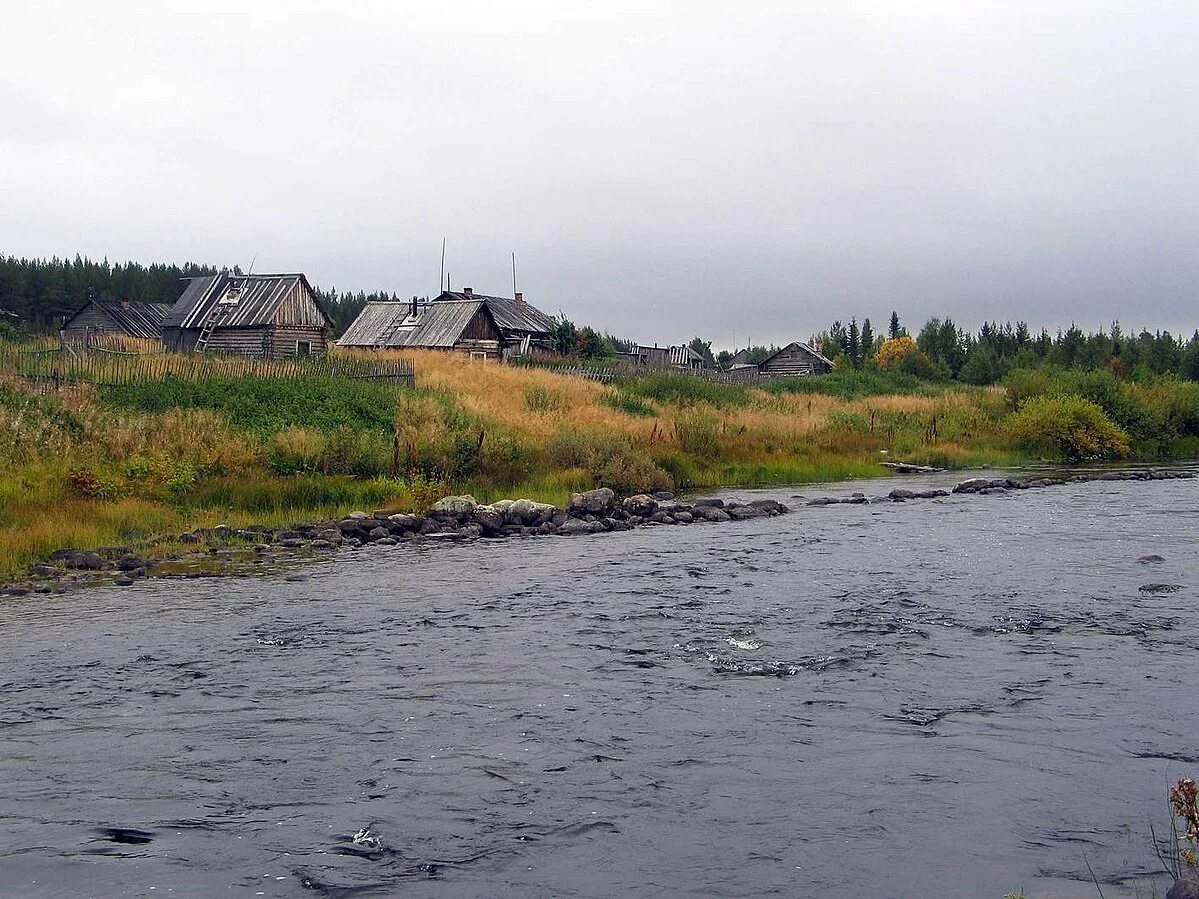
pixel 685 390
pixel 266 405
pixel 853 384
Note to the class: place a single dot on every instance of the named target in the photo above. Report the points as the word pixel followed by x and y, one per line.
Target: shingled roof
pixel 134 319
pixel 261 296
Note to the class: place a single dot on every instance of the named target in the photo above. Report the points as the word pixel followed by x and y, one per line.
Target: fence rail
pixel 606 373
pixel 53 368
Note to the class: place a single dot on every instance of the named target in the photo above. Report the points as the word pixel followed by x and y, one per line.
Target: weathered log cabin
pixel 793 361
pixel 269 316
pixel 115 317
pixel 464 326
pixel 525 329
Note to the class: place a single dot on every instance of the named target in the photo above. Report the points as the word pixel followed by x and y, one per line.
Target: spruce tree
pixel 894 330
pixel 867 342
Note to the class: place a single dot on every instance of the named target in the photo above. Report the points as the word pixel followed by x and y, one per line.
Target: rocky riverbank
pixel 223 550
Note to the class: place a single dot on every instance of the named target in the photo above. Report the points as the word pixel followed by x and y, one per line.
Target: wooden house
pixel 525 329
pixel 740 359
pixel 663 357
pixel 793 361
pixel 465 326
pixel 269 316
pixel 115 317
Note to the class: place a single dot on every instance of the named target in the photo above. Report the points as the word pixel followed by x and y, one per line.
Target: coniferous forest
pixel 36 294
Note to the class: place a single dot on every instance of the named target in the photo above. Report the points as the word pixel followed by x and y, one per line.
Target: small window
pixel 482 357
pixel 303 347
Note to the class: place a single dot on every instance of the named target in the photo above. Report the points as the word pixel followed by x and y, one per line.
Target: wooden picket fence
pixel 51 367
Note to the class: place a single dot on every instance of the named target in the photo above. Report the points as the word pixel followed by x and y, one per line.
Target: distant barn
pixel 794 360
pixel 115 317
pixel 269 316
pixel 466 326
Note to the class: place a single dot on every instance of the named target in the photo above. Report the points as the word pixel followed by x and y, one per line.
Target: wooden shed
pixel 793 361
pixel 269 316
pixel 466 326
pixel 121 317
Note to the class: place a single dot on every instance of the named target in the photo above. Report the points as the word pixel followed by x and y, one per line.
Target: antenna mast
pixel 441 285
pixel 514 275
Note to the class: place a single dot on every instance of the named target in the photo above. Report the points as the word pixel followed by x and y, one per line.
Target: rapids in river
pixel 959 697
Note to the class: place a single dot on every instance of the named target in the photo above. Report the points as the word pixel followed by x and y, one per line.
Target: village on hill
pixel 273 316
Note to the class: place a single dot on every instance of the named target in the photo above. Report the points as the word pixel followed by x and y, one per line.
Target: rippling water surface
pixel 957 697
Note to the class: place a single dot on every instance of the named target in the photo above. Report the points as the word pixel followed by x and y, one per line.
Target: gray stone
pixel 683 517
pixel 293 543
pixel 45 570
pixel 574 526
pixel 384 541
pixel 560 518
pixel 404 522
pixel 663 494
pixel 822 501
pixel 640 504
pixel 595 501
pixel 931 494
pixel 129 562
pixel 358 516
pixel 470 530
pixel 489 518
pixel 711 513
pixel 329 535
pixel 189 538
pixel 378 533
pixel 1144 560
pixel 661 518
pixel 717 503
pixel 774 507
pixel 744 513
pixel 85 562
pixel 459 506
pixel 977 485
pixel 124 581
pixel 318 543
pixel 899 494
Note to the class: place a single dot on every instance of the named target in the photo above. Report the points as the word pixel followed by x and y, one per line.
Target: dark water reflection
pixel 942 698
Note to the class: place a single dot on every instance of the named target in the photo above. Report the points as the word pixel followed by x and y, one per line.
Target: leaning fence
pixel 606 373
pixel 50 366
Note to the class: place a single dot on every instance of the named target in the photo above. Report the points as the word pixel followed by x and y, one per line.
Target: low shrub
pixel 697 435
pixel 542 399
pixel 609 458
pixel 627 403
pixel 686 390
pixel 1067 427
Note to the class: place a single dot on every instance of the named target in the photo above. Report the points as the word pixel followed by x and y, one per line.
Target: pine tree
pixel 867 340
pixel 853 344
pixel 894 330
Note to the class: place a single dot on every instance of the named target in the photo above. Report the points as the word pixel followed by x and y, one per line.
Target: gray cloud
pixel 660 169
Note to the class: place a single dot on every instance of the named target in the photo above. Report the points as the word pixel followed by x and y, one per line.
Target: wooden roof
pixel 390 323
pixel 507 312
pixel 134 319
pixel 259 300
pixel 797 344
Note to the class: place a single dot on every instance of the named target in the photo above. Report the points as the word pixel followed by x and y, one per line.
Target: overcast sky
pixel 661 170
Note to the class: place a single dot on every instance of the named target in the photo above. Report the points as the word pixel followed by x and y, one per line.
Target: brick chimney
pixel 520 298
pixel 469 291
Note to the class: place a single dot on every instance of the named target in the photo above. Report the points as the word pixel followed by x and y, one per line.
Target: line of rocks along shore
pixel 464 518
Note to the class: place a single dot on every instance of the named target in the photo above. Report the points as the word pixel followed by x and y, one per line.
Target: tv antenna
pixel 442 284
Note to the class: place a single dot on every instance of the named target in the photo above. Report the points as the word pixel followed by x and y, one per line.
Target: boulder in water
pixel 602 499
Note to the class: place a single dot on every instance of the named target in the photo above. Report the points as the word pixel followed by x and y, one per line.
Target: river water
pixel 958 697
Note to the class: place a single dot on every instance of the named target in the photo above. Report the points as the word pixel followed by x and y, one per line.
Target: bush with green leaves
pixel 1067 427
pixel 685 390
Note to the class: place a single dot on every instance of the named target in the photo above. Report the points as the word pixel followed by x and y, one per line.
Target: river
pixel 957 697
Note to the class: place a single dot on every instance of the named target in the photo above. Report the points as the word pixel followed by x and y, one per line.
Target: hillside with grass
pixel 145 459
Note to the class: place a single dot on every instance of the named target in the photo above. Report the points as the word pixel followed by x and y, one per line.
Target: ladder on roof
pixel 221 308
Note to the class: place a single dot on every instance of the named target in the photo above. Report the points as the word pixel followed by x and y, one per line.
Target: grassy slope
pixel 135 464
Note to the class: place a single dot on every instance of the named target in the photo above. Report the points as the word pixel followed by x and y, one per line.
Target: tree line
pixel 942 350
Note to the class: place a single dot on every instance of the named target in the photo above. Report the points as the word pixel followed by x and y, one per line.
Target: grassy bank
pixel 147 459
